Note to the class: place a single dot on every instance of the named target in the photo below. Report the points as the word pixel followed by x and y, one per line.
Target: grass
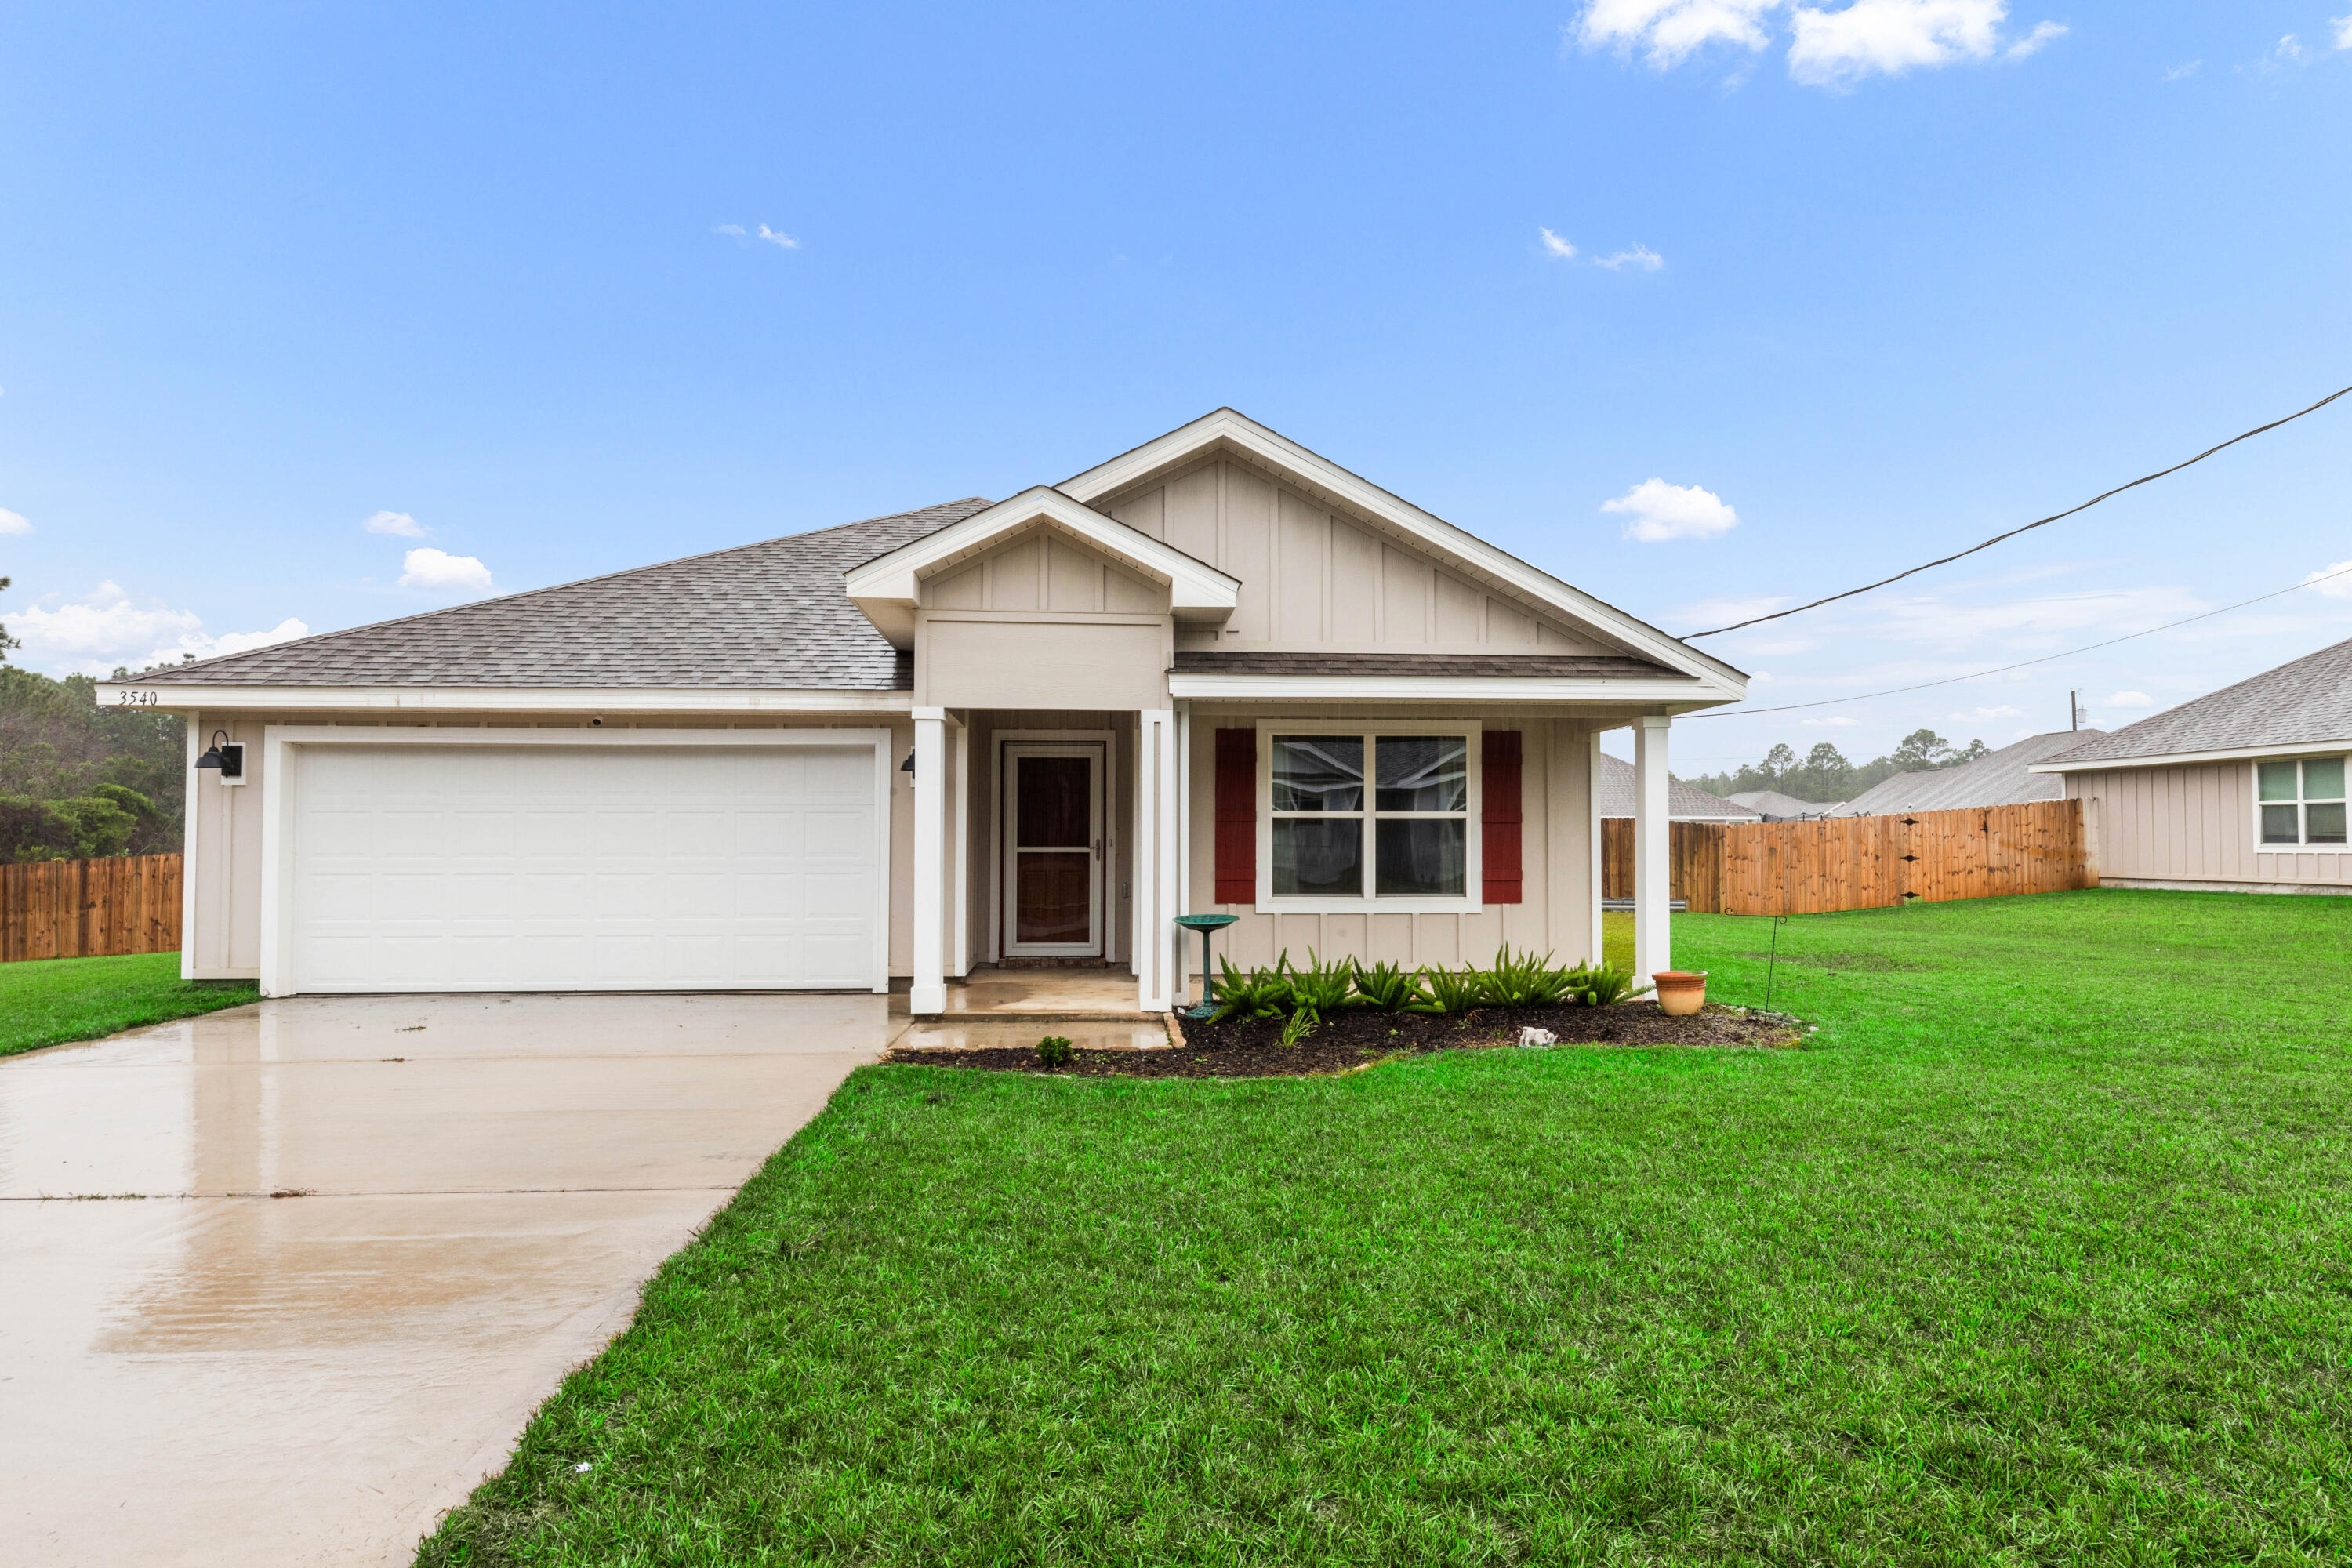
pixel 49 1001
pixel 2039 1254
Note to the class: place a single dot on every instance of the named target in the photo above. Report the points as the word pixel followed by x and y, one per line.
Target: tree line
pixel 1825 778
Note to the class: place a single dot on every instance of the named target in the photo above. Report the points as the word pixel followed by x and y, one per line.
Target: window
pixel 1405 837
pixel 2301 802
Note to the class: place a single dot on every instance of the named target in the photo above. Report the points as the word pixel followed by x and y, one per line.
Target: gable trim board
pixel 506 698
pixel 1235 433
pixel 2178 759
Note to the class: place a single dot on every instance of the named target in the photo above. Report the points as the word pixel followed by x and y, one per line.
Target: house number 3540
pixel 134 700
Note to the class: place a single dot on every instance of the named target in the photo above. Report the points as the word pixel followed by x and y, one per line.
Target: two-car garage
pixel 434 860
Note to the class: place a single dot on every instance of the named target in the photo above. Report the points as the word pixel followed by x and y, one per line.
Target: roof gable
pixel 1233 433
pixel 2307 703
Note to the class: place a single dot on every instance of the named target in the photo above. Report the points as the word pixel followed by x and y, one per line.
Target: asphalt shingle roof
pixel 1685 803
pixel 2000 779
pixel 770 616
pixel 2307 703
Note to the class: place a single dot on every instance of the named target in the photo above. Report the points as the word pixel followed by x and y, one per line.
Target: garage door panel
pixel 425 868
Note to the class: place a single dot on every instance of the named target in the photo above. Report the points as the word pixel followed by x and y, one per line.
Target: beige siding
pixel 1043 569
pixel 1312 578
pixel 2193 822
pixel 1090 664
pixel 222 940
pixel 1557 868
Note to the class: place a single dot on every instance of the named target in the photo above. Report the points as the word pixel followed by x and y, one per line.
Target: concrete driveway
pixel 196 1367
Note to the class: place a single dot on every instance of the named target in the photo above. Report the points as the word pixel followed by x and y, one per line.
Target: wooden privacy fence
pixel 1861 862
pixel 89 908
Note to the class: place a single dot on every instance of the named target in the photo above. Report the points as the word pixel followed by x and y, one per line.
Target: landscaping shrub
pixel 1523 980
pixel 1297 1028
pixel 1604 986
pixel 1259 993
pixel 1321 989
pixel 1055 1051
pixel 1391 990
pixel 1454 991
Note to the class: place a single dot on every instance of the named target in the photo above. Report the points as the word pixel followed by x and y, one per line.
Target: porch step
pixel 1130 1032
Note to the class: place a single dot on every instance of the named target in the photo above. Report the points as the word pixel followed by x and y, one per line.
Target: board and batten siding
pixel 1312 578
pixel 1557 858
pixel 2193 822
pixel 1043 569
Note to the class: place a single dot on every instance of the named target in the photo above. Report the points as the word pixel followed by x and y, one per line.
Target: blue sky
pixel 1880 278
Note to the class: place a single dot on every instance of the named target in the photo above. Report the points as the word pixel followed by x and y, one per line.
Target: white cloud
pixel 435 569
pixel 1640 257
pixel 1669 32
pixel 2131 700
pixel 1659 511
pixel 395 522
pixel 2336 587
pixel 2044 34
pixel 1554 245
pixel 2342 25
pixel 110 627
pixel 1834 721
pixel 13 522
pixel 2289 48
pixel 1978 715
pixel 760 231
pixel 2181 73
pixel 1833 48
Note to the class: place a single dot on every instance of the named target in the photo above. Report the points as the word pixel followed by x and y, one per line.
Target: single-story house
pixel 2241 790
pixel 1771 806
pixel 2005 777
pixel 1215 673
pixel 1685 803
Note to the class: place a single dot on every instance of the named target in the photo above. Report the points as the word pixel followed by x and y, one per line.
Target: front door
pixel 1053 849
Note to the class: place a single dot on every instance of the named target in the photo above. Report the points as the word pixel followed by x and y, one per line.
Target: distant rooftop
pixel 1685 803
pixel 2304 703
pixel 2000 779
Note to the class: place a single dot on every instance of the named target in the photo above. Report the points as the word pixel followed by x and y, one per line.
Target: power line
pixel 2045 658
pixel 2013 532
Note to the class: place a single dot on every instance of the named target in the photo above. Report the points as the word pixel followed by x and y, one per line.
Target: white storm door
pixel 595 868
pixel 1053 849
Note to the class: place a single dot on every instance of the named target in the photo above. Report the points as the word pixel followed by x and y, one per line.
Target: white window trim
pixel 283 745
pixel 2254 785
pixel 1472 898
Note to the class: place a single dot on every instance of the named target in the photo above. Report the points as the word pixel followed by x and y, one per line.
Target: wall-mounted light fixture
pixel 226 757
pixel 908 767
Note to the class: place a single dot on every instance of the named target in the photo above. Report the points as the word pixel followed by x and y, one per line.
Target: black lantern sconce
pixel 908 767
pixel 226 758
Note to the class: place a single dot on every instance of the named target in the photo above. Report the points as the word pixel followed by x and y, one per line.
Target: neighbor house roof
pixel 770 616
pixel 2000 779
pixel 1771 803
pixel 2308 702
pixel 1685 803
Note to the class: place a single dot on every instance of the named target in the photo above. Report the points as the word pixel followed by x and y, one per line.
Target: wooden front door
pixel 1053 849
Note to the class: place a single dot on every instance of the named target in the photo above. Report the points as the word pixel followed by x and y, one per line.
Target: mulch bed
pixel 1247 1048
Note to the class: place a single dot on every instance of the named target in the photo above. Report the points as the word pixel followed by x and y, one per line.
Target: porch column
pixel 1156 889
pixel 928 994
pixel 1653 882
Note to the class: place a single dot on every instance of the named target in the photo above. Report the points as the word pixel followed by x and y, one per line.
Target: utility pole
pixel 2074 710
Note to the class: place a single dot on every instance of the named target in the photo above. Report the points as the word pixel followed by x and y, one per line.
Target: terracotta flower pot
pixel 1681 992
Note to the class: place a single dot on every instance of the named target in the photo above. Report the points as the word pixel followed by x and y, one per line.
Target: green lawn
pixel 49 1001
pixel 2039 1254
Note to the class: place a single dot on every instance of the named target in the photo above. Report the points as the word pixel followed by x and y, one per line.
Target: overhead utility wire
pixel 2013 532
pixel 2045 658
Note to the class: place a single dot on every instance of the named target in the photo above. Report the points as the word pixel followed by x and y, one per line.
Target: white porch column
pixel 929 993
pixel 1156 886
pixel 1598 825
pixel 960 837
pixel 1653 882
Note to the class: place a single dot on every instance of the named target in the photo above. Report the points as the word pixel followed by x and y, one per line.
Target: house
pixel 2004 778
pixel 1685 803
pixel 1773 806
pixel 1215 673
pixel 2241 790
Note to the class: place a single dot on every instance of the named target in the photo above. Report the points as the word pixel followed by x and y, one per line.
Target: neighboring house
pixel 2004 778
pixel 1773 806
pixel 2242 790
pixel 1216 672
pixel 1685 803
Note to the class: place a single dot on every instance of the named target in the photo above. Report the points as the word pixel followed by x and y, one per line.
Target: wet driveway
pixel 196 1371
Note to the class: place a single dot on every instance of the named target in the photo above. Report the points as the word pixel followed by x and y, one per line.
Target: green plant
pixel 1055 1051
pixel 1391 989
pixel 1258 994
pixel 1605 986
pixel 1297 1029
pixel 1523 980
pixel 1453 991
pixel 1321 989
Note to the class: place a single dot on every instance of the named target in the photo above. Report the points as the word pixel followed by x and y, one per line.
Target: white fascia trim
pixel 2176 759
pixel 1226 426
pixel 429 735
pixel 1193 586
pixel 507 698
pixel 1443 689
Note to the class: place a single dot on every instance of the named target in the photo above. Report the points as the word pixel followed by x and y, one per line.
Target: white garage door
pixel 425 868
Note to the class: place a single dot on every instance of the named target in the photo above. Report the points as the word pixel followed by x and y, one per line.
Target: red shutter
pixel 1236 817
pixel 1499 763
